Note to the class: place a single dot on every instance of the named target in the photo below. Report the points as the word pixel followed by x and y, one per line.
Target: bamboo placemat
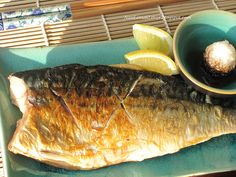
pixel 108 26
pixel 102 27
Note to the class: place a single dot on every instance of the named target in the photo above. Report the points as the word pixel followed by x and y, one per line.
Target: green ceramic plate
pixel 218 154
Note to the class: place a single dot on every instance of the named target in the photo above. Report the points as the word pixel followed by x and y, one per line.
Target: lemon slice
pixel 152 38
pixel 152 61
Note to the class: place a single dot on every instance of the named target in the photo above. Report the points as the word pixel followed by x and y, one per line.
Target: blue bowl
pixel 192 37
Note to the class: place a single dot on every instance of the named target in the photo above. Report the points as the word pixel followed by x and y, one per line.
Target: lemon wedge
pixel 152 61
pixel 152 38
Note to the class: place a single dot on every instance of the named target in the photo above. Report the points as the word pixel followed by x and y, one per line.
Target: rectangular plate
pixel 218 154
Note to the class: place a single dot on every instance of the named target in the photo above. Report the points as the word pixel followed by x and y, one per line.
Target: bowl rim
pixel 184 71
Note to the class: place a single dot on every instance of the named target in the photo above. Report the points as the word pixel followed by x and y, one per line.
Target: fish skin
pixel 88 117
pixel 62 76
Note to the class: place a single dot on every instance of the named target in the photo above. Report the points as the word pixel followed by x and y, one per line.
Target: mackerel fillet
pixel 88 117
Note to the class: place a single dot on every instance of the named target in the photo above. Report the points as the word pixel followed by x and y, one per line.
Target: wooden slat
pixel 176 12
pixel 23 42
pixel 74 41
pixel 76 38
pixel 19 31
pixel 120 24
pixel 227 5
pixel 11 5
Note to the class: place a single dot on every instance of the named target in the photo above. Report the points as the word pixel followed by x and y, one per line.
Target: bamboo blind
pixel 104 27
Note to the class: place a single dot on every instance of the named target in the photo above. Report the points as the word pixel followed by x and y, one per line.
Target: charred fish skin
pixel 88 117
pixel 114 79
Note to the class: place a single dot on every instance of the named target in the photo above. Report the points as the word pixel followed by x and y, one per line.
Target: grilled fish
pixel 88 117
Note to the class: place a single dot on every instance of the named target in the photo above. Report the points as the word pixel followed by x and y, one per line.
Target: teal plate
pixel 218 154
